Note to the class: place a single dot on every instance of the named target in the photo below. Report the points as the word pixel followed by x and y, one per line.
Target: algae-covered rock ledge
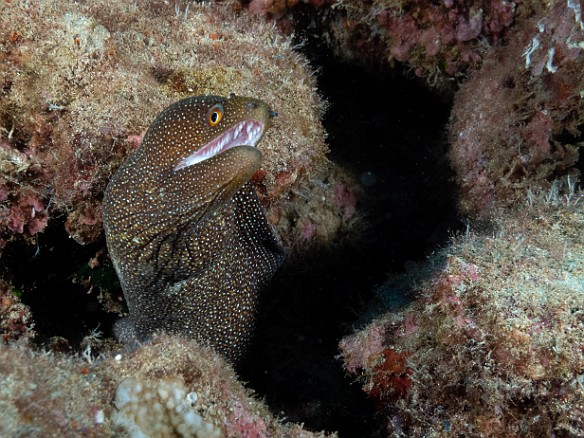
pixel 168 388
pixel 82 82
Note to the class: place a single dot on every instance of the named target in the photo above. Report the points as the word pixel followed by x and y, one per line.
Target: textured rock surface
pixel 492 345
pixel 81 83
pixel 438 41
pixel 517 122
pixel 48 394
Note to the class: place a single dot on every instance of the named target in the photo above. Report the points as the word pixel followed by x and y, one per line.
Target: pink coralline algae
pixel 517 122
pixel 432 29
pixel 15 318
pixel 437 40
pixel 359 348
pixel 345 199
pixel 23 210
pixel 242 423
pixel 427 34
pixel 79 86
pixel 27 214
pixel 493 344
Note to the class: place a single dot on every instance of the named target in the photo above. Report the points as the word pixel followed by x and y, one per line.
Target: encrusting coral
pixel 171 387
pixel 80 83
pixel 171 412
pixel 517 122
pixel 492 346
pixel 438 41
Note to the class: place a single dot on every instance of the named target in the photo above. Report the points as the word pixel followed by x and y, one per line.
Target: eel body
pixel 184 228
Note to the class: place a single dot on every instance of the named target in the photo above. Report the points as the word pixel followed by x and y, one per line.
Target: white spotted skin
pixel 191 246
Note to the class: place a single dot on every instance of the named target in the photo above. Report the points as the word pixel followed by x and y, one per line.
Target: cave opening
pixel 389 131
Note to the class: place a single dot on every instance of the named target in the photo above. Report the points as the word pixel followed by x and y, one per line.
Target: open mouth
pixel 246 133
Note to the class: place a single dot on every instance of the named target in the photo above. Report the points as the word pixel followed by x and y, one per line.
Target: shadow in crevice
pixel 389 132
pixel 311 302
pixel 47 274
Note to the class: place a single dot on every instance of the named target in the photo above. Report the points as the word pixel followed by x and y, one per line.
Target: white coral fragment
pixel 158 409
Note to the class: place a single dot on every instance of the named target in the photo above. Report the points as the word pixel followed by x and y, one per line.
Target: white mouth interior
pixel 246 133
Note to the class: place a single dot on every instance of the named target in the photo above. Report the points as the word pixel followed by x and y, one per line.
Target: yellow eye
pixel 215 115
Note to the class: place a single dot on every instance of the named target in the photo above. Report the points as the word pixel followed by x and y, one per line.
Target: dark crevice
pixel 46 273
pixel 575 138
pixel 389 132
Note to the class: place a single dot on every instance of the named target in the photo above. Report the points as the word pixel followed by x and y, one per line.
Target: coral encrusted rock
pixel 493 344
pixel 171 387
pixel 518 121
pixel 81 82
pixel 438 40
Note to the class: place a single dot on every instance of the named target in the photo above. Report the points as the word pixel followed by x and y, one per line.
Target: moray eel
pixel 184 228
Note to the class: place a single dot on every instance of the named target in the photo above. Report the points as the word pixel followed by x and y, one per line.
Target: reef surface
pixel 478 336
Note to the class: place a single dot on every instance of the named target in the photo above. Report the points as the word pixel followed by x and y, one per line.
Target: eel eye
pixel 215 115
